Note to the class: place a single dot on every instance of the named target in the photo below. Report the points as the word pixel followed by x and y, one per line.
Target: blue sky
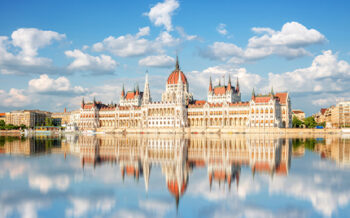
pixel 54 53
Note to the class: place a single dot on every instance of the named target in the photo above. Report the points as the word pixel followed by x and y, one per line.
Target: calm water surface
pixel 174 176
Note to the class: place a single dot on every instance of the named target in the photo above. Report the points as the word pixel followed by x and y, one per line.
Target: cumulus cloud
pixel 28 41
pixel 326 75
pixel 14 98
pixel 289 42
pixel 157 61
pixel 221 28
pixel 85 62
pixel 160 14
pixel 46 85
pixel 134 45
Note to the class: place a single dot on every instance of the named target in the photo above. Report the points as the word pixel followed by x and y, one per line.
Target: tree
pixel 2 123
pixel 48 121
pixel 296 122
pixel 310 122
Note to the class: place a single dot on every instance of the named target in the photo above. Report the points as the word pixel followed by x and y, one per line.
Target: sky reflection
pixel 162 176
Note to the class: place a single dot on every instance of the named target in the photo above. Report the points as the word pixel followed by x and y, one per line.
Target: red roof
pixel 130 95
pixel 262 167
pixel 282 96
pixel 200 102
pixel 262 99
pixel 282 169
pixel 323 110
pixel 174 77
pixel 297 111
pixel 173 187
pixel 220 90
pixel 2 114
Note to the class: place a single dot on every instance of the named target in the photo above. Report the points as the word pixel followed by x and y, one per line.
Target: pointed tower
pixel 137 90
pixel 253 94
pixel 123 92
pixel 210 85
pixel 229 86
pixel 82 103
pixel 177 66
pixel 146 99
pixel 237 86
pixel 94 103
pixel 272 92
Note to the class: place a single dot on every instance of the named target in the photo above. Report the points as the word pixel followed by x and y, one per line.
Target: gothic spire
pixel 253 93
pixel 237 85
pixel 123 91
pixel 177 66
pixel 272 92
pixel 210 85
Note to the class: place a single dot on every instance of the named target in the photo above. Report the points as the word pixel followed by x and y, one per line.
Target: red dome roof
pixel 174 188
pixel 174 77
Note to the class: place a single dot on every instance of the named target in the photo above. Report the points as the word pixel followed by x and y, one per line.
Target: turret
pixel 94 102
pixel 123 91
pixel 253 94
pixel 210 85
pixel 137 89
pixel 229 86
pixel 146 92
pixel 82 103
pixel 237 86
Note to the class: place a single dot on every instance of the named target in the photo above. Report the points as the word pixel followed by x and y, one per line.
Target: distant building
pixel 3 116
pixel 30 118
pixel 61 118
pixel 340 115
pixel 298 114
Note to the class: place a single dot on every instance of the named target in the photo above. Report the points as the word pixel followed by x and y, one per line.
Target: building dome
pixel 174 188
pixel 174 77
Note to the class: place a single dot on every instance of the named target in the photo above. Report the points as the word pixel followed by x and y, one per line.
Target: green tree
pixel 48 121
pixel 296 122
pixel 310 122
pixel 2 123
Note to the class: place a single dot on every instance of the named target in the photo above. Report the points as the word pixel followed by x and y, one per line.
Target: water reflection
pixel 226 160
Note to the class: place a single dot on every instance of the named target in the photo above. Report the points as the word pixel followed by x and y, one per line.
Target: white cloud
pixel 31 39
pixel 160 14
pixel 221 28
pixel 157 61
pixel 81 206
pixel 184 35
pixel 134 45
pixel 45 84
pixel 223 51
pixel 14 98
pixel 45 183
pixel 86 62
pixel 326 74
pixel 289 42
pixel 28 41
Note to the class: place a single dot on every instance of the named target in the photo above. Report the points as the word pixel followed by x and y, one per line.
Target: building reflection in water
pixel 179 156
pixel 224 157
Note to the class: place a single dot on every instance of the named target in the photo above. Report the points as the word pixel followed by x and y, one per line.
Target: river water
pixel 174 176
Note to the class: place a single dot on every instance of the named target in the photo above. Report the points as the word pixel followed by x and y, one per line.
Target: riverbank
pixel 212 130
pixel 10 132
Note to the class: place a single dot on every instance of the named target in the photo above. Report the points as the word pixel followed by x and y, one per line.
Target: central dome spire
pixel 177 66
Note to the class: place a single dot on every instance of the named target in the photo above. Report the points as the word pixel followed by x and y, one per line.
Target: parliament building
pixel 178 109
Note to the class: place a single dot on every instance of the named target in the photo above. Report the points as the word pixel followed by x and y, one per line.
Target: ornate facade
pixel 178 109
